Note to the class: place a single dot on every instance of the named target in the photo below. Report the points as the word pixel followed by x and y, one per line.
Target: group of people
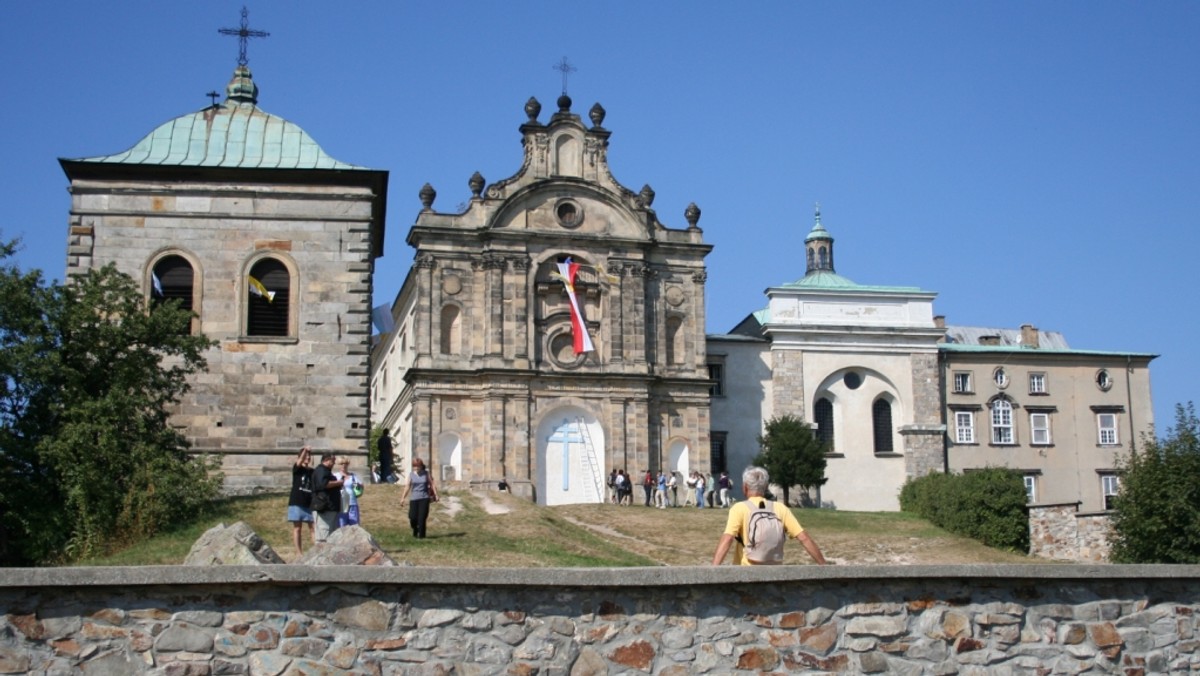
pixel 326 498
pixel 662 490
pixel 756 528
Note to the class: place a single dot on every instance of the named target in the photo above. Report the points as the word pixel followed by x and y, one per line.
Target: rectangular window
pixel 1039 429
pixel 1107 425
pixel 717 452
pixel 1037 383
pixel 1110 485
pixel 1031 488
pixel 962 382
pixel 1002 423
pixel 716 373
pixel 964 427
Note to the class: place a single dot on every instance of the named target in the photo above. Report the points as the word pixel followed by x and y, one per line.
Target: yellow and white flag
pixel 257 288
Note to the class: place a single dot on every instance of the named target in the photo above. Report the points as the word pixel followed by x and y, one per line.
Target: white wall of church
pixel 859 479
pixel 744 404
pixel 570 458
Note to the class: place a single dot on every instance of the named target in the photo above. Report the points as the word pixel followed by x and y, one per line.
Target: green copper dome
pixel 234 134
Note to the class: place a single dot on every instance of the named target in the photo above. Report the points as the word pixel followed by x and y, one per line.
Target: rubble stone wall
pixel 1062 533
pixel 182 620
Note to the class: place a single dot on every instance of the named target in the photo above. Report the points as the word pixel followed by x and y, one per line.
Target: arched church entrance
pixel 450 457
pixel 570 457
pixel 678 457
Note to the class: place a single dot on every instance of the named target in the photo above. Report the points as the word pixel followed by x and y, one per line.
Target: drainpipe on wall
pixel 942 406
pixel 1129 402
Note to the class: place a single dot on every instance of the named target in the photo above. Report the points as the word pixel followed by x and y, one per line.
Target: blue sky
pixel 1032 162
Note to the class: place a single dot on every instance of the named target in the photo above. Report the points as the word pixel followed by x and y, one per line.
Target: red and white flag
pixel 583 342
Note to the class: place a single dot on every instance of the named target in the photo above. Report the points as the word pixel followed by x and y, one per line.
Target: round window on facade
pixel 1000 377
pixel 1104 380
pixel 852 380
pixel 560 348
pixel 569 213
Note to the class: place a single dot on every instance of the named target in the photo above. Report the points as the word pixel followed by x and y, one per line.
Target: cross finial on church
pixel 817 211
pixel 214 96
pixel 566 69
pixel 243 33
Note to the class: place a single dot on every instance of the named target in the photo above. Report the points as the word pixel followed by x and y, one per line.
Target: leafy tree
pixel 792 454
pixel 987 505
pixel 87 374
pixel 1157 512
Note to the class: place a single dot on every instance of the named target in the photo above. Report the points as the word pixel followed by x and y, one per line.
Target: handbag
pixel 320 501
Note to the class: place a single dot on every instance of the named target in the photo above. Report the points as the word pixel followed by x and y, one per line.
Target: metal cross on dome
pixel 243 33
pixel 566 69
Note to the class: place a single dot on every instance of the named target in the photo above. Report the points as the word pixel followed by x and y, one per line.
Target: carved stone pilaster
pixel 700 277
pixel 425 261
pixel 519 263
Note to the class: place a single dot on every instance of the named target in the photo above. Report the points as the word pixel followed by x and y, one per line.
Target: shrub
pixel 986 505
pixel 1157 512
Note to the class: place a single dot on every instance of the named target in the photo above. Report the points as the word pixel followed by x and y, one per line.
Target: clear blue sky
pixel 1032 162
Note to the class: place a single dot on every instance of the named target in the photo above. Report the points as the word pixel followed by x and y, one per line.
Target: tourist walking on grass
pixel 724 484
pixel 648 486
pixel 660 496
pixel 352 488
pixel 673 484
pixel 421 488
pixel 700 490
pixel 299 510
pixel 327 497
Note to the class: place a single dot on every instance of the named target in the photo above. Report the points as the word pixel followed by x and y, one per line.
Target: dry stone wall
pixel 272 620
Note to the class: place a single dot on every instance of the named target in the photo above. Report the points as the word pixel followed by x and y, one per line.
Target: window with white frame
pixel 1106 424
pixel 964 427
pixel 1037 383
pixel 1039 429
pixel 1030 488
pixel 962 382
pixel 1002 422
pixel 1000 377
pixel 1110 485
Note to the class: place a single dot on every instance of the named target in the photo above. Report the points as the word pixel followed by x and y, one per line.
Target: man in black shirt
pixel 327 497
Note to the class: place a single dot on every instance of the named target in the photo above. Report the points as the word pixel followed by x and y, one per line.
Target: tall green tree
pixel 792 454
pixel 1157 512
pixel 87 376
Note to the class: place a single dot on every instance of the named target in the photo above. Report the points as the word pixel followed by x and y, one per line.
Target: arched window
pixel 824 256
pixel 451 330
pixel 1002 422
pixel 881 423
pixel 173 279
pixel 674 340
pixel 823 415
pixel 268 299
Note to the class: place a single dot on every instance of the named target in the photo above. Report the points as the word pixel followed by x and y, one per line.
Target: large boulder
pixel 347 546
pixel 230 546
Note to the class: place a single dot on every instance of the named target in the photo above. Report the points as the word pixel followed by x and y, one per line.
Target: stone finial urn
pixel 692 214
pixel 597 114
pixel 533 108
pixel 646 196
pixel 427 195
pixel 476 184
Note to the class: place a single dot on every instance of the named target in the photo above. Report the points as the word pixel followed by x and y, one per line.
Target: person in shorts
pixel 300 500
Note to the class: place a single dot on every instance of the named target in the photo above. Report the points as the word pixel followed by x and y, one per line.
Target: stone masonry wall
pixel 306 620
pixel 1061 533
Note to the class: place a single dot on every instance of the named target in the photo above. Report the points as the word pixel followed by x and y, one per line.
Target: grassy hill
pixel 476 529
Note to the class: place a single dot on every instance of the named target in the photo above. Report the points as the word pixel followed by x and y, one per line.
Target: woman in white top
pixel 352 487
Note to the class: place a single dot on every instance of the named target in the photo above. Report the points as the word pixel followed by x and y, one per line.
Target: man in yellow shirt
pixel 754 484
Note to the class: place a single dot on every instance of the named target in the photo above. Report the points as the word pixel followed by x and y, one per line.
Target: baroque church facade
pixel 244 219
pixel 552 330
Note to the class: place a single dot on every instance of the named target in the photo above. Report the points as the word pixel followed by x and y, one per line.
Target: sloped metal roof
pixel 234 134
pixel 973 335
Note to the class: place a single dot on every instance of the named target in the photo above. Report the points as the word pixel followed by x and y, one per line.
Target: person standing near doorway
pixel 421 489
